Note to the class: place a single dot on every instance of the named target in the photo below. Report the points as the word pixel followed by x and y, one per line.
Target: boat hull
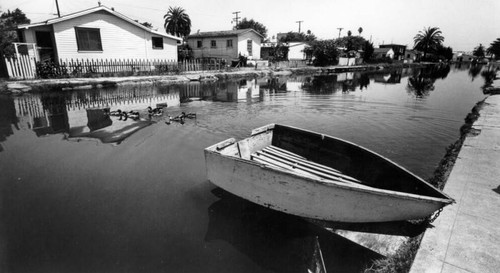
pixel 295 194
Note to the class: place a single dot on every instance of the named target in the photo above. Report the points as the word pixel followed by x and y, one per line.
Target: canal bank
pixel 466 235
pixel 23 86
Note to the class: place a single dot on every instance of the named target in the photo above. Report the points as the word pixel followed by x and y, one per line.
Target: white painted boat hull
pixel 299 195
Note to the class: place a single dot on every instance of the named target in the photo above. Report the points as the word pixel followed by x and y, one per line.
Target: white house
pixel 226 45
pixel 98 33
pixel 383 53
pixel 296 51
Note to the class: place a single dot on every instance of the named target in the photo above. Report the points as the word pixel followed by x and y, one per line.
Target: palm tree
pixel 495 49
pixel 360 29
pixel 177 22
pixel 428 40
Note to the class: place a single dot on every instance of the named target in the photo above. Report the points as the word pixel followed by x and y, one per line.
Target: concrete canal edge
pixel 466 235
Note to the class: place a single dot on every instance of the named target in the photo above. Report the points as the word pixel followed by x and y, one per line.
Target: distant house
pixel 97 33
pixel 399 50
pixel 296 51
pixel 227 45
pixel 461 56
pixel 383 53
pixel 412 55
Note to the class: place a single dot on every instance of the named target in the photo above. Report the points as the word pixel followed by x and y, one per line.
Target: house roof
pixel 382 50
pixel 92 10
pixel 391 45
pixel 224 33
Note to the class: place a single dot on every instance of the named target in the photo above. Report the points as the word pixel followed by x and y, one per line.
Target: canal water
pixel 84 190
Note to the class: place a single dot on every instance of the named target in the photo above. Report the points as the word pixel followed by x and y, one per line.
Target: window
pixel 88 39
pixel 157 42
pixel 213 43
pixel 249 47
pixel 229 43
pixel 199 44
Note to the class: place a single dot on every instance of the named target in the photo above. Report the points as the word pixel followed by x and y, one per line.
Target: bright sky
pixel 464 23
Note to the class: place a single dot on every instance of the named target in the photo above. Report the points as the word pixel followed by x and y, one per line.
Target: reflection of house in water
pixel 8 118
pixel 228 91
pixel 393 78
pixel 44 114
pixel 275 85
pixel 82 111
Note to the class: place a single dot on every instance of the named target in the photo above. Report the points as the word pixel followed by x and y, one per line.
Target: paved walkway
pixel 466 236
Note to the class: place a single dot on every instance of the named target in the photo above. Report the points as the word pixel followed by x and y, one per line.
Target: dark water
pixel 140 202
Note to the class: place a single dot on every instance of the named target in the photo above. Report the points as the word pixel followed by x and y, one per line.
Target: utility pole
pixel 58 13
pixel 236 18
pixel 299 24
pixel 340 29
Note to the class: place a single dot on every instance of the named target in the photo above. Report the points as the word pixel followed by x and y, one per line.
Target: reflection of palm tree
pixel 420 85
pixel 428 40
pixel 474 71
pixel 489 77
pixel 177 22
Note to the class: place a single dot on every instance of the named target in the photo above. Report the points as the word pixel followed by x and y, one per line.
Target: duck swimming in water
pixel 133 115
pixel 158 111
pixel 116 113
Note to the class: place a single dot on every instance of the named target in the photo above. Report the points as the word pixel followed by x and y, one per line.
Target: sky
pixel 464 23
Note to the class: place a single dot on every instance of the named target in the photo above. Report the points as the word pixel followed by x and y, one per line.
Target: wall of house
pixel 296 52
pixel 219 51
pixel 256 43
pixel 120 39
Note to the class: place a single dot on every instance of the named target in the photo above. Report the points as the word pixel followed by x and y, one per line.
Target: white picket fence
pixel 21 68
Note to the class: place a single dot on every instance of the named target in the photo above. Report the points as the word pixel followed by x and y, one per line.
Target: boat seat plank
pixel 298 159
pixel 276 148
pixel 310 164
pixel 276 161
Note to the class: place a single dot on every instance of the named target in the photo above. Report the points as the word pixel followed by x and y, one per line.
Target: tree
pixel 428 40
pixel 245 23
pixel 177 22
pixel 351 42
pixel 444 52
pixel 324 52
pixel 360 29
pixel 349 33
pixel 298 37
pixel 494 49
pixel 147 24
pixel 8 26
pixel 368 50
pixel 479 51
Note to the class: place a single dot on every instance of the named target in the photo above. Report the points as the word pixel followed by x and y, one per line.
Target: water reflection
pixel 86 113
pixel 8 118
pixel 142 206
pixel 474 70
pixel 278 242
pixel 422 81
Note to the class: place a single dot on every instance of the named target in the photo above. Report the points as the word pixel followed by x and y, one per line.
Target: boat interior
pixel 323 157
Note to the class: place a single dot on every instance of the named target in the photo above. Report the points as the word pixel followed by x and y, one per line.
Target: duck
pixel 133 114
pixel 124 115
pixel 190 115
pixel 116 113
pixel 158 111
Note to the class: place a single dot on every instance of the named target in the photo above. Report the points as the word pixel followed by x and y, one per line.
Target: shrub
pixel 324 52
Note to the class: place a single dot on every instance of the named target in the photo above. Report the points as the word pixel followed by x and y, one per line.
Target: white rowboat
pixel 318 176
